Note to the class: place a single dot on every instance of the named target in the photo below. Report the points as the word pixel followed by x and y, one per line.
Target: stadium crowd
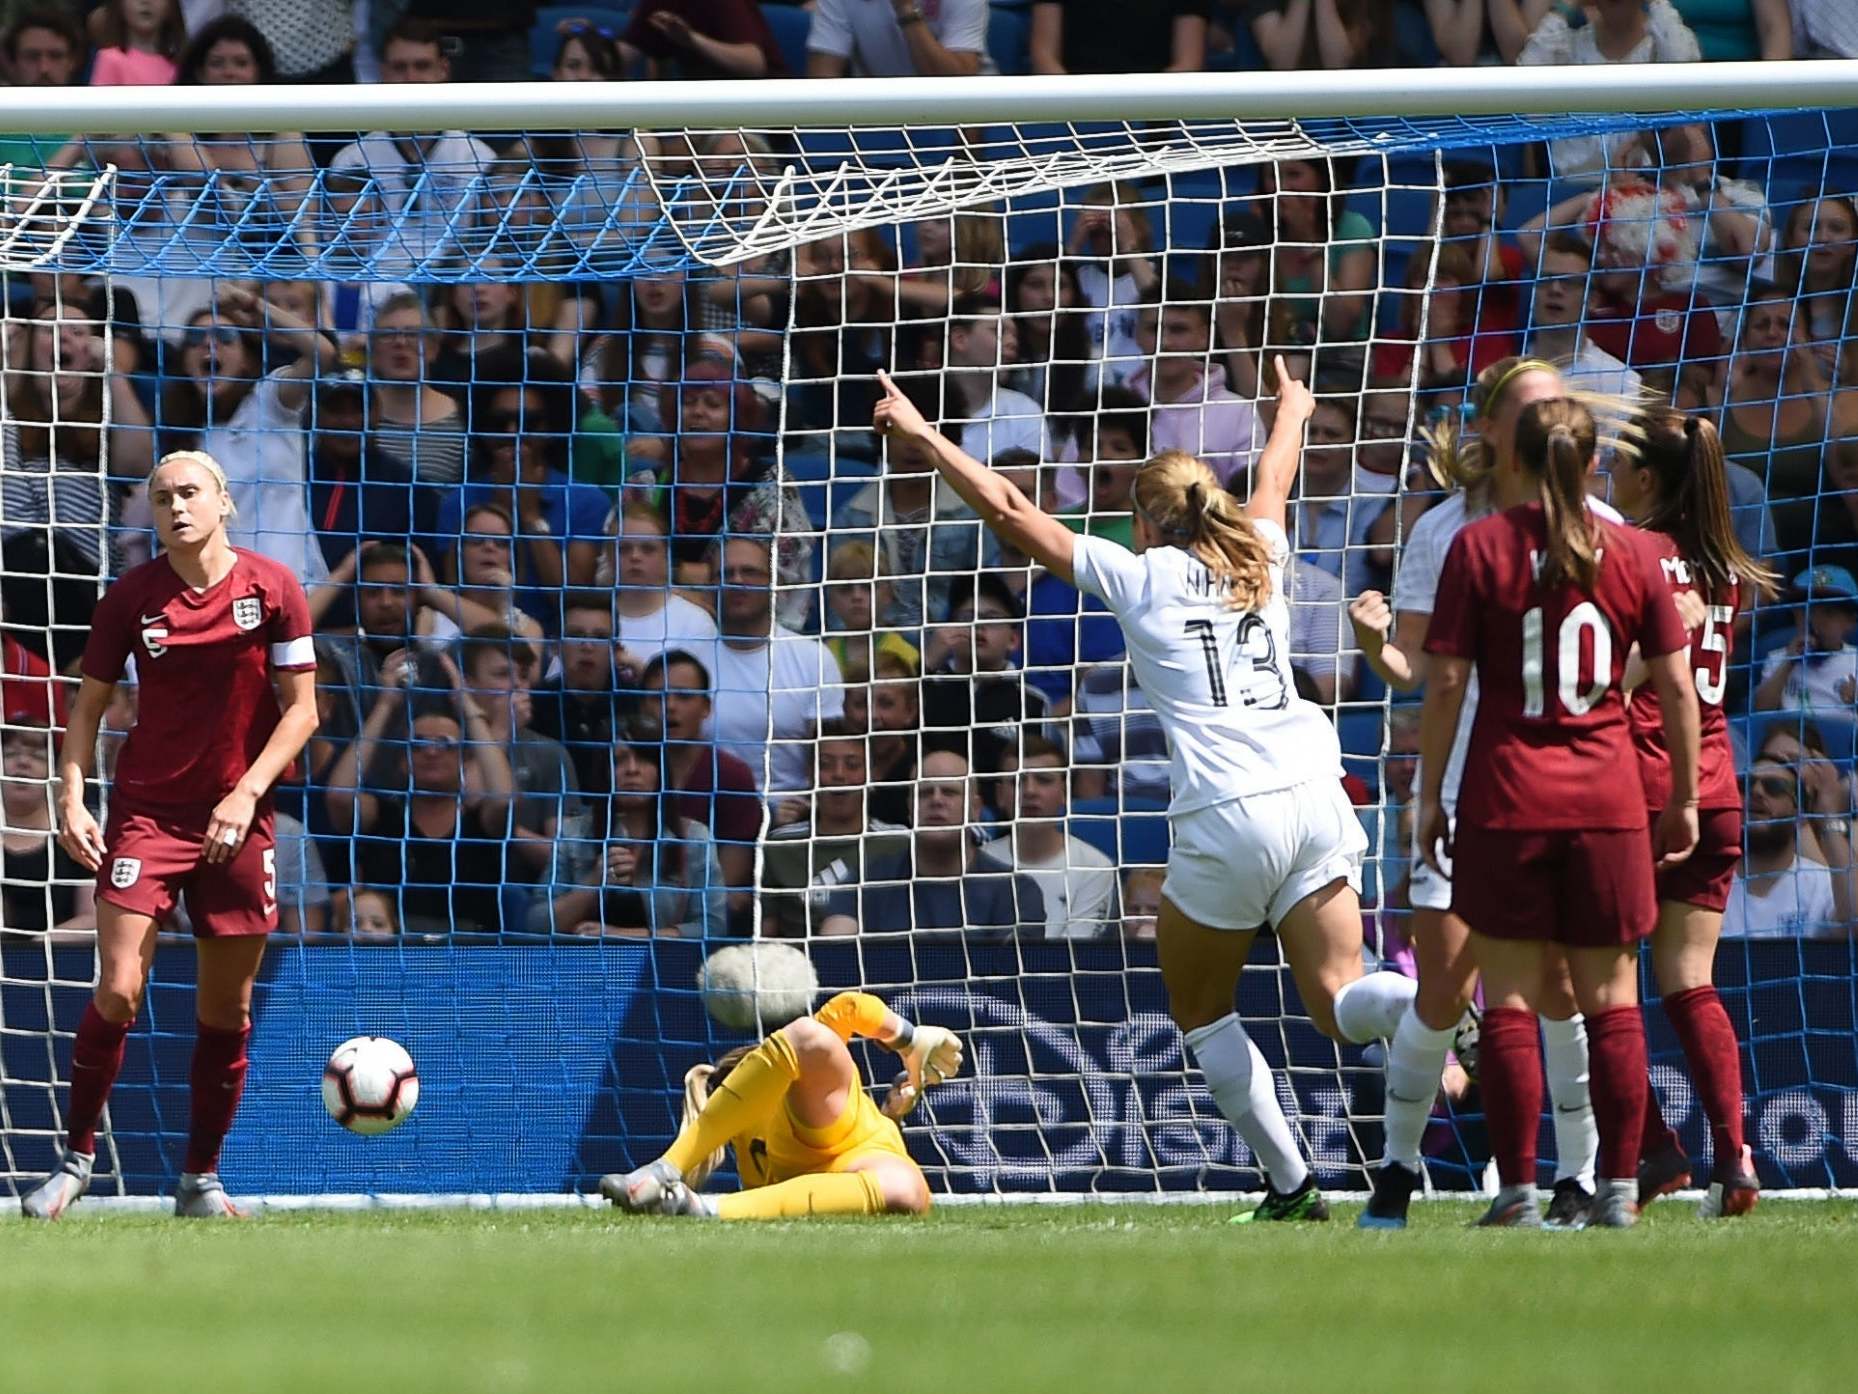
pixel 595 642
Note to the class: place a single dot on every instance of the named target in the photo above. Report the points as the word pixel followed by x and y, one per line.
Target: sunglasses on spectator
pixel 200 335
pixel 574 28
pixel 436 742
pixel 1774 786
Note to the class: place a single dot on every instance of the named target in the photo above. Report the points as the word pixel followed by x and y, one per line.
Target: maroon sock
pixel 216 1081
pixel 1510 1076
pixel 1715 1062
pixel 96 1060
pixel 1616 1068
pixel 1657 1134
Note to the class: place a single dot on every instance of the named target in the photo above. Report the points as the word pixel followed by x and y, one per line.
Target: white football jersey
pixel 1416 588
pixel 1218 678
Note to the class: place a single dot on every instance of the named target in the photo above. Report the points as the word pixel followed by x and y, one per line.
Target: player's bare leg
pixel 1565 1063
pixel 1427 1030
pixel 1200 968
pixel 223 1006
pixel 1683 959
pixel 1321 939
pixel 125 949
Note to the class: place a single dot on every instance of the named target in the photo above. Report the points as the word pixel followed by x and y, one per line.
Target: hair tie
pixel 1690 427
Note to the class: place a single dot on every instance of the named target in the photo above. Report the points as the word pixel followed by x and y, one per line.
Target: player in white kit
pixel 1262 831
pixel 1392 638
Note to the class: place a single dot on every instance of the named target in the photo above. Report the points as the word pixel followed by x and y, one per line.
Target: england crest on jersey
pixel 125 871
pixel 248 612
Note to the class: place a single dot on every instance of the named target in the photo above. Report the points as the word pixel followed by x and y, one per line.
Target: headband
pixel 1516 370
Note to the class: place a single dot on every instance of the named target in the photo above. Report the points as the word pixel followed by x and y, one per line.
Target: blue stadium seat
pixel 544 40
pixel 1360 731
pixel 1808 148
pixel 1009 39
pixel 1132 834
pixel 790 24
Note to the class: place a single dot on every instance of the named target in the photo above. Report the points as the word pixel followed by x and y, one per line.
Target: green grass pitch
pixel 1078 1300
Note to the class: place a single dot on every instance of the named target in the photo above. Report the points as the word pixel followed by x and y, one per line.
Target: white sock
pixel 1242 1086
pixel 1415 1063
pixel 1370 1008
pixel 1577 1138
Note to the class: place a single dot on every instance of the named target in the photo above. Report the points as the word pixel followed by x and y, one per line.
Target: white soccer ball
pixel 370 1085
pixel 758 987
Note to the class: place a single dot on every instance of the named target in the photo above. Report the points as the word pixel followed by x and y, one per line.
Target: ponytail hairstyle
pixel 1456 454
pixel 1555 442
pixel 1182 499
pixel 697 1082
pixel 1685 454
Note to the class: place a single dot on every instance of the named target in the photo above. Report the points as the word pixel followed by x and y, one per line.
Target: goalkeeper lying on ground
pixel 808 1139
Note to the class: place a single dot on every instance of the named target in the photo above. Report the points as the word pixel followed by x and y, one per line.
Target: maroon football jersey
pixel 1550 747
pixel 1709 662
pixel 205 707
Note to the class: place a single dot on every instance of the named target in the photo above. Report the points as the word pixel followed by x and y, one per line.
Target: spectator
pixel 702 39
pixel 918 545
pixel 303 898
pixel 484 570
pixel 936 884
pixel 423 181
pixel 712 786
pixel 29 694
pixel 250 421
pixel 1333 34
pixel 651 870
pixel 1817 264
pixel 657 331
pixel 1616 31
pixel 804 862
pixel 1094 36
pixel 1775 405
pixel 1739 31
pixel 958 258
pixel 773 686
pixel 1458 28
pixel 1325 265
pixel 1339 499
pixel 483 315
pixel 1120 749
pixel 1736 234
pixel 547 800
pixel 896 38
pixel 1046 303
pixel 855 599
pixel 1835 531
pixel 1075 880
pixel 1114 439
pixel 582 707
pixel 314 40
pixel 415 427
pixel 137 43
pixel 1141 902
pixel 1112 245
pixel 390 583
pixel 974 698
pixel 1558 322
pixel 1778 892
pixel 1818 669
pixel 895 722
pixel 1389 860
pixel 354 497
pixel 1194 410
pixel 842 334
pixel 43 47
pixel 1240 277
pixel 490 38
pixel 990 417
pixel 45 889
pixel 1824 29
pixel 442 842
pixel 650 617
pixel 371 914
pixel 522 434
pixel 1318 632
pixel 54 498
pixel 1448 320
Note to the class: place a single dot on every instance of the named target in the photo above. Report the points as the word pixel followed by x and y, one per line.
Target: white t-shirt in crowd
pixel 1784 905
pixel 677 624
pixel 1814 680
pixel 261 450
pixel 866 33
pixel 1079 886
pixel 1218 678
pixel 1318 622
pixel 794 677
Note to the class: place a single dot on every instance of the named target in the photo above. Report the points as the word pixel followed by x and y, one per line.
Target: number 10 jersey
pixel 1219 678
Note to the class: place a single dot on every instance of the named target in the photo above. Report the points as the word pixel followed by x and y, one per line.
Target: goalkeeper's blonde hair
pixel 1183 500
pixel 697 1082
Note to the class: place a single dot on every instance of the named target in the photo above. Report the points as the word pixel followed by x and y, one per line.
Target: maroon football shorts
pixel 1704 878
pixel 154 859
pixel 1581 887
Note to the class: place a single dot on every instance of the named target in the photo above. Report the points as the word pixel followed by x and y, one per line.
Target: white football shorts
pixel 1247 862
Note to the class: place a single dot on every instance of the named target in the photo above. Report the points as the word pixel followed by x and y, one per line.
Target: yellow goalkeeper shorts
pixel 789 1148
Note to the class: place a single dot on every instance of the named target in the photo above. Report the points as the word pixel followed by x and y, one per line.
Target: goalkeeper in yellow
pixel 808 1139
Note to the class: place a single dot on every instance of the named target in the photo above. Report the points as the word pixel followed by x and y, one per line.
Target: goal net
pixel 587 412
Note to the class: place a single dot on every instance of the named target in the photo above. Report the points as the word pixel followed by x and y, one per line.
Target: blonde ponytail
pixel 1555 442
pixel 1182 500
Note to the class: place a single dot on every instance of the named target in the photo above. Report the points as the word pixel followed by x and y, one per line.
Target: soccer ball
pixel 370 1085
pixel 758 987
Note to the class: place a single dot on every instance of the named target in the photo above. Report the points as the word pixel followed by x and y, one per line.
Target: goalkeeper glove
pixel 931 1055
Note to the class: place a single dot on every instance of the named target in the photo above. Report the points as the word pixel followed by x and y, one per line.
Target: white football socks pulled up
pixel 1577 1136
pixel 1415 1064
pixel 1370 1008
pixel 1242 1086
